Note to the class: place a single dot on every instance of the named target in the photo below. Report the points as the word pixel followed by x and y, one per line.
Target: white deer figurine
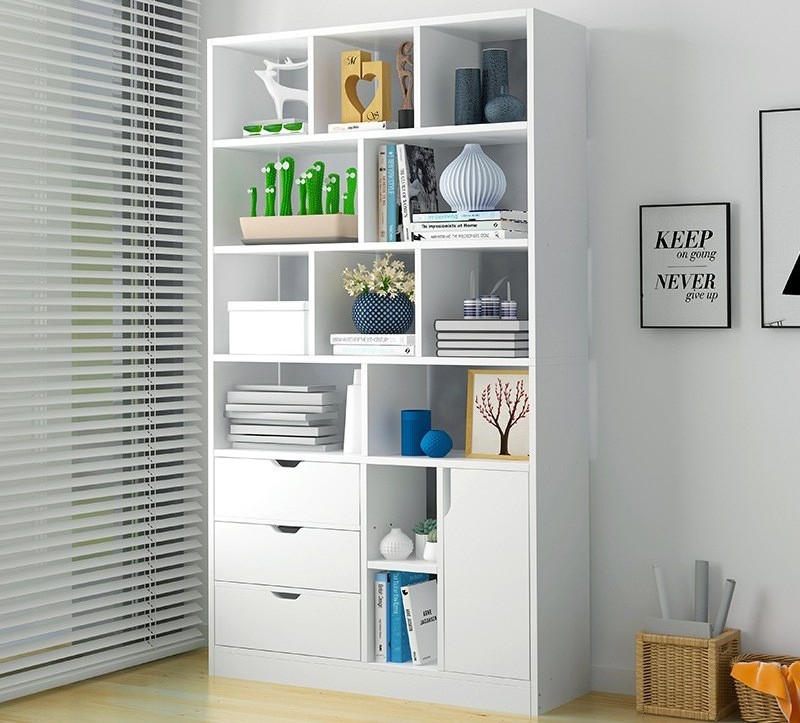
pixel 281 93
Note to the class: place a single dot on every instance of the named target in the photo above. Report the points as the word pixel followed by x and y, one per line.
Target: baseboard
pixel 465 691
pixel 613 680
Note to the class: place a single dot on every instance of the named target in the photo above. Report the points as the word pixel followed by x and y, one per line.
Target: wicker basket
pixel 755 706
pixel 686 677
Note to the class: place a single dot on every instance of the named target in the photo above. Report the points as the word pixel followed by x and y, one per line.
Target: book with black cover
pixel 417 185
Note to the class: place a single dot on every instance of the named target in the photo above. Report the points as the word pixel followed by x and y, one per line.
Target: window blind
pixel 101 434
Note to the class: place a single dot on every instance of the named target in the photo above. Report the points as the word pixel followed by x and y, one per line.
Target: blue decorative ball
pixel 436 443
pixel 373 314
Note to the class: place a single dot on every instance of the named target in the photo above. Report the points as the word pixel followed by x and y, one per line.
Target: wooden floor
pixel 179 688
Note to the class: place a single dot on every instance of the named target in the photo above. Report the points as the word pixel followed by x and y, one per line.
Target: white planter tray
pixel 299 229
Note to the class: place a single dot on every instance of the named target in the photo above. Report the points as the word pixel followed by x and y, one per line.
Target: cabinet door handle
pixel 286 595
pixel 290 463
pixel 286 529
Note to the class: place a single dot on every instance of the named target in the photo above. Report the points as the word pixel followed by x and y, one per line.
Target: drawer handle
pixel 286 529
pixel 290 463
pixel 286 595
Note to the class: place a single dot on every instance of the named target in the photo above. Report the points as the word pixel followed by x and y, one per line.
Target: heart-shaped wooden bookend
pixel 358 65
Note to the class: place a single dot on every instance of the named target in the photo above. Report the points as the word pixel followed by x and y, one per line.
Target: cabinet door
pixel 486 574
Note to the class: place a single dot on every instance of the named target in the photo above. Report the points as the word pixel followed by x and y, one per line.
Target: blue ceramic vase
pixel 374 314
pixel 495 76
pixel 436 443
pixel 468 104
pixel 504 108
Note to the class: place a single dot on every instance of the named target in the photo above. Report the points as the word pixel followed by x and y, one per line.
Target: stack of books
pixel 277 416
pixel 470 225
pixel 405 617
pixel 407 185
pixel 373 344
pixel 481 337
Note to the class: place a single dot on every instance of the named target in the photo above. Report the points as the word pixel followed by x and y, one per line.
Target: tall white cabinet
pixel 294 536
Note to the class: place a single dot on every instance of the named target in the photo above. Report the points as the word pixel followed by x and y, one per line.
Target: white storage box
pixel 268 327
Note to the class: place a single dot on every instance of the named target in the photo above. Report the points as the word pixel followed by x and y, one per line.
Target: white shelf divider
pixel 409 565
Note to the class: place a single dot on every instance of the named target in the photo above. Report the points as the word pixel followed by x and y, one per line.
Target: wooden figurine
pixel 405 73
pixel 358 65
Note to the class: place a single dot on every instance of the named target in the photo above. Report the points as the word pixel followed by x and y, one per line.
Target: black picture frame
pixel 685 266
pixel 779 217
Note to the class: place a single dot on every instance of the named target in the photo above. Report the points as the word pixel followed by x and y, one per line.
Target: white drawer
pixel 305 622
pixel 308 557
pixel 323 493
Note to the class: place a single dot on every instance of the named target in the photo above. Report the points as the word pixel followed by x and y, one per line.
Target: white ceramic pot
pixel 419 545
pixel 431 550
pixel 473 181
pixel 397 545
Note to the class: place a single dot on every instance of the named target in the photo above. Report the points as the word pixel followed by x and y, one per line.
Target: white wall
pixel 695 433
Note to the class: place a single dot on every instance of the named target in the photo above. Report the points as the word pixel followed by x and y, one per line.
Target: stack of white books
pixel 470 225
pixel 373 344
pixel 278 416
pixel 481 337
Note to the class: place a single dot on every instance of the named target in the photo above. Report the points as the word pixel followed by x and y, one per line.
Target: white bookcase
pixel 293 537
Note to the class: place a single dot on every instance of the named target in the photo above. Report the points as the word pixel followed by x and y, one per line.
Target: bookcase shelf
pixel 373 246
pixel 449 135
pixel 408 565
pixel 532 600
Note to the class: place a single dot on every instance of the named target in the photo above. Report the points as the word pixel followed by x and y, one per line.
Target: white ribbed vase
pixel 473 181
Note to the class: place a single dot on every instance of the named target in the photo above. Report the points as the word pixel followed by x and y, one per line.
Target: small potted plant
pixel 421 532
pixel 384 296
pixel 431 547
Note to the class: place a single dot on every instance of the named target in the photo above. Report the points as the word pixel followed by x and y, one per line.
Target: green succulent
pixel 433 536
pixel 425 527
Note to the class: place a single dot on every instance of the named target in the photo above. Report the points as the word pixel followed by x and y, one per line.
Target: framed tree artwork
pixel 780 217
pixel 498 414
pixel 684 265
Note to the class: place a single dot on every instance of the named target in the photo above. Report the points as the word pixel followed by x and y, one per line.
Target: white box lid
pixel 267 306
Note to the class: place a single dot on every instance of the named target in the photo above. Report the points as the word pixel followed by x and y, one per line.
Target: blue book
pixel 391 192
pixel 381 616
pixel 399 647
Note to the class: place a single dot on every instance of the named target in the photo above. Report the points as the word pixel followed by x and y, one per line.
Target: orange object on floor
pixel 782 681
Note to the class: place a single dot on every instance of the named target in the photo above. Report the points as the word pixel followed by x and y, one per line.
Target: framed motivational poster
pixel 684 256
pixel 780 217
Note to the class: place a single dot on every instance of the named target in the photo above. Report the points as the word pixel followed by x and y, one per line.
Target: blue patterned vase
pixel 504 108
pixel 373 314
pixel 495 75
pixel 468 105
pixel 436 443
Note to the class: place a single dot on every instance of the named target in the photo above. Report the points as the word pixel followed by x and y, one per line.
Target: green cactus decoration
pixel 312 189
pixel 433 536
pixel 302 191
pixel 317 172
pixel 349 197
pixel 332 194
pixel 253 193
pixel 287 183
pixel 270 171
pixel 425 527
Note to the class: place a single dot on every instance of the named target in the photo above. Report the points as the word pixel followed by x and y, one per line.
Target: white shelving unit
pixel 293 536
